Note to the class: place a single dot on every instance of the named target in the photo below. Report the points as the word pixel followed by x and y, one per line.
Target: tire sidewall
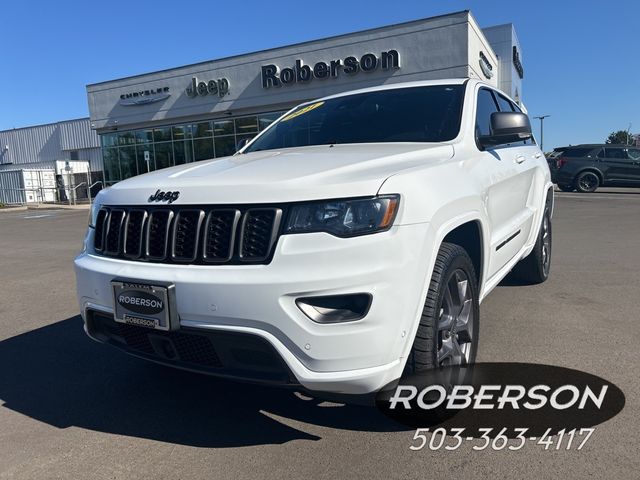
pixel 462 262
pixel 546 215
pixel 584 174
pixel 539 244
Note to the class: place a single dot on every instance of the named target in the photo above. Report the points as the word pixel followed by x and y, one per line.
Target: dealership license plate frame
pixel 166 320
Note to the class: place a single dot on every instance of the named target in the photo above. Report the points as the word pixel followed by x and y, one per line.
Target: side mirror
pixel 507 127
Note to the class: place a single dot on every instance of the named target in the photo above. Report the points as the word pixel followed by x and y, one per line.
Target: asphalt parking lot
pixel 72 408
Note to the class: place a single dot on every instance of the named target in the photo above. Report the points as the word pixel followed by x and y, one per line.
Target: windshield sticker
pixel 302 111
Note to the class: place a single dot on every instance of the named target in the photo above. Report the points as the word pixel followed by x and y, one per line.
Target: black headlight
pixel 344 218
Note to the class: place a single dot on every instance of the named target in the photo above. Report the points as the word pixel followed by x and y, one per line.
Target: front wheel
pixel 448 330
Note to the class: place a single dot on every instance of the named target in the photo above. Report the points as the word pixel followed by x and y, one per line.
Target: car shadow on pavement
pixel 57 375
pixel 512 280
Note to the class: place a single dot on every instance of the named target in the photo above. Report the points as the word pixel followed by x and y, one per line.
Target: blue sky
pixel 582 62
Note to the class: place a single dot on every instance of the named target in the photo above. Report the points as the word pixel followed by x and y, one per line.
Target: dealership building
pixel 200 111
pixel 47 163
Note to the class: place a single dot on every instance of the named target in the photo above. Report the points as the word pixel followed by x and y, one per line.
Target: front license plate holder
pixel 143 304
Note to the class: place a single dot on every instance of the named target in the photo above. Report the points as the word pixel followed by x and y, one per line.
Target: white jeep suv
pixel 350 242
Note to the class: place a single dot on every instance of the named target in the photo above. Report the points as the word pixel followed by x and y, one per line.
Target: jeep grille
pixel 208 235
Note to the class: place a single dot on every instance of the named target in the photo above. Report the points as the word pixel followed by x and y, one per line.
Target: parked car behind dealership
pixel 586 167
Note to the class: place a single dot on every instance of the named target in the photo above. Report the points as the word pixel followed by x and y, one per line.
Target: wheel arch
pixel 595 170
pixel 467 232
pixel 469 236
pixel 470 231
pixel 551 198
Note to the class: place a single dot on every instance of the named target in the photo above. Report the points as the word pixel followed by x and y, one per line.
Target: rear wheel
pixel 448 330
pixel 587 182
pixel 535 267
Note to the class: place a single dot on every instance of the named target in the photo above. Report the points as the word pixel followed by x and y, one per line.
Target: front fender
pixel 424 201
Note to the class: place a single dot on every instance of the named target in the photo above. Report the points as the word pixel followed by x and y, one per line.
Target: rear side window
pixel 485 107
pixel 634 153
pixel 615 153
pixel 577 152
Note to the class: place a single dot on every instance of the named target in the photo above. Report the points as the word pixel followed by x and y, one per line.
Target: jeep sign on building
pixel 201 111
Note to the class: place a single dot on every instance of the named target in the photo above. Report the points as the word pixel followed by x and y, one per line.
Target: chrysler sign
pixel 144 97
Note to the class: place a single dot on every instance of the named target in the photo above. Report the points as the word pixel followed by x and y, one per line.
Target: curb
pixel 58 207
pixel 12 209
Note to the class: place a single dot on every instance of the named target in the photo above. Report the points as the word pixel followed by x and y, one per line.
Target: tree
pixel 621 136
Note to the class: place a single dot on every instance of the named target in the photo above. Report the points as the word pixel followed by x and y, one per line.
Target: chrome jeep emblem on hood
pixel 161 196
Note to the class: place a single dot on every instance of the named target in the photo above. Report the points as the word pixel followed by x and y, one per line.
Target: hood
pixel 275 176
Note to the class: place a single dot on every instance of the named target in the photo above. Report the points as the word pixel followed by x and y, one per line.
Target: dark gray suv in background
pixel 586 167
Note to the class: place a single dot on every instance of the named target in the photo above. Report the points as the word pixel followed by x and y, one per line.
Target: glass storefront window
pixel 144 136
pixel 126 138
pixel 223 127
pixel 123 152
pixel 109 139
pixel 128 162
pixel 162 134
pixel 225 145
pixel 111 165
pixel 181 132
pixel 182 152
pixel 202 149
pixel 246 125
pixel 143 165
pixel 164 155
pixel 203 129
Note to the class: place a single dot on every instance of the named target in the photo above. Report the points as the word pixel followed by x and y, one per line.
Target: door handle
pixel 520 158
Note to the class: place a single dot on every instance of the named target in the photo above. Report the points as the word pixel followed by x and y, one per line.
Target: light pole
pixel 541 118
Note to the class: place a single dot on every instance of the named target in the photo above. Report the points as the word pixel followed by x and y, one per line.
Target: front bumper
pixel 352 358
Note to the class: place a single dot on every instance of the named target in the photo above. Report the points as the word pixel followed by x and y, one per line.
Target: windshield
pixel 415 114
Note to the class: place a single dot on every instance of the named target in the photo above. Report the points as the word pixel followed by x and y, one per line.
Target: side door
pixel 620 166
pixel 508 190
pixel 634 155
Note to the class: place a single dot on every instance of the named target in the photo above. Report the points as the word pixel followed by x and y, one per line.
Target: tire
pixel 587 182
pixel 448 329
pixel 566 188
pixel 534 269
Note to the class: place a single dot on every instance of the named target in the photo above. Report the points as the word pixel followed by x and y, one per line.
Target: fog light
pixel 336 308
